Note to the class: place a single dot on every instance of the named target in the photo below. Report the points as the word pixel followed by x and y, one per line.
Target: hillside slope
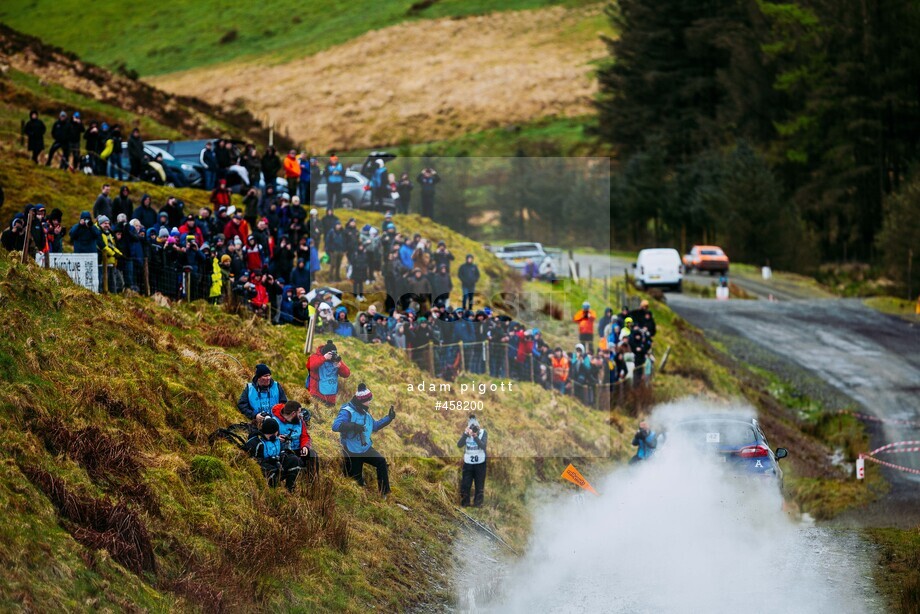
pixel 48 79
pixel 186 35
pixel 120 499
pixel 419 81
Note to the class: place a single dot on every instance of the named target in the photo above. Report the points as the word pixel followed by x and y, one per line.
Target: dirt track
pixel 863 356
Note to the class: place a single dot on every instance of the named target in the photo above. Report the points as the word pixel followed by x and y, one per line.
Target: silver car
pixel 515 255
pixel 356 193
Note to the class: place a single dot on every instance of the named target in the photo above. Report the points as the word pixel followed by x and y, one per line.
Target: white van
pixel 659 267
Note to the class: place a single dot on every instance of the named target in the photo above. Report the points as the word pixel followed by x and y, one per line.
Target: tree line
pixel 786 131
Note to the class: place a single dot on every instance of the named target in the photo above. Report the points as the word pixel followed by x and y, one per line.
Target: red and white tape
pixel 869 418
pixel 892 448
pixel 891 465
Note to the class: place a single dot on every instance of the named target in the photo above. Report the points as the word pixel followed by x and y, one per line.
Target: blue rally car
pixel 736 441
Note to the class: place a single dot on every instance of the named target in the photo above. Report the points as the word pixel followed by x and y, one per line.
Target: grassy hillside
pixel 49 79
pixel 119 498
pixel 185 35
pixel 420 80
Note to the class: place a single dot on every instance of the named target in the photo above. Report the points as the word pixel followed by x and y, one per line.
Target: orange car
pixel 706 258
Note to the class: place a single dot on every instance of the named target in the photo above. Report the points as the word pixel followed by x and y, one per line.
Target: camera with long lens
pixel 335 357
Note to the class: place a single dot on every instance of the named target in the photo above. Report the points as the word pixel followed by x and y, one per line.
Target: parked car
pixel 189 152
pixel 706 258
pixel 515 255
pixel 659 267
pixel 737 441
pixel 356 192
pixel 186 174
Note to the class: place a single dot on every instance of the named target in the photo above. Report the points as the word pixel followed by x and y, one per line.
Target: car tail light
pixel 367 188
pixel 753 452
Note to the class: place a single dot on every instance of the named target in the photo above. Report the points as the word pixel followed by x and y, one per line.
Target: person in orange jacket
pixel 586 319
pixel 292 171
pixel 560 365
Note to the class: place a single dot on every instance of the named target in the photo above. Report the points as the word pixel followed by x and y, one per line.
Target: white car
pixel 515 255
pixel 660 267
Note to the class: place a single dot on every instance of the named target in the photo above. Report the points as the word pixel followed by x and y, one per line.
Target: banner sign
pixel 82 268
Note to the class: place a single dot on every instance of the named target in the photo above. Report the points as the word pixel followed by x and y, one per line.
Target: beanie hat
pixel 163 233
pixel 586 305
pixel 225 259
pixel 314 212
pixel 363 395
pixel 269 426
pixel 85 215
pixel 329 347
pixel 102 219
pixel 122 218
pixel 262 369
pixel 580 347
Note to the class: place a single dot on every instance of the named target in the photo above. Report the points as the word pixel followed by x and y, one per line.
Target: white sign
pixel 766 272
pixel 722 293
pixel 860 468
pixel 82 268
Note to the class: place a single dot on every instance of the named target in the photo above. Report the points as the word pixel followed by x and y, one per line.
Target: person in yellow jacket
pixel 586 319
pixel 217 277
pixel 106 241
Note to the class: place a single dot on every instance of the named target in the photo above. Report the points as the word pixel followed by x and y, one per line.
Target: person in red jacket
pixel 259 301
pixel 220 196
pixel 237 226
pixel 293 430
pixel 191 229
pixel 524 357
pixel 586 319
pixel 326 367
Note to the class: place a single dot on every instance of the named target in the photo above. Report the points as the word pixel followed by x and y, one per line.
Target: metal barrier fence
pixel 499 360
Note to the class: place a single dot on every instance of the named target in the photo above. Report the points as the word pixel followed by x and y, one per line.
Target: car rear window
pixel 718 433
pixel 187 148
pixel 712 252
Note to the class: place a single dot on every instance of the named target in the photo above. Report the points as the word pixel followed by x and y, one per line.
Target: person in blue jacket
pixel 261 394
pixel 84 235
pixel 646 441
pixel 343 327
pixel 355 426
pixel 335 175
pixel 267 448
pixel 379 183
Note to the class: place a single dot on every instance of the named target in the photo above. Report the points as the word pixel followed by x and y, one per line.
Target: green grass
pixel 894 306
pixel 164 38
pixel 549 136
pixel 898 572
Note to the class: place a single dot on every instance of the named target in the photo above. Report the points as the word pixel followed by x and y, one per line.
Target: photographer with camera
pixel 266 446
pixel 585 320
pixel 646 440
pixel 294 423
pixel 261 394
pixel 325 367
pixel 355 426
pixel 473 441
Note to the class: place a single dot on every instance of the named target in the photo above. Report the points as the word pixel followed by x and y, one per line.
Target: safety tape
pixel 892 465
pixel 869 418
pixel 900 450
pixel 897 444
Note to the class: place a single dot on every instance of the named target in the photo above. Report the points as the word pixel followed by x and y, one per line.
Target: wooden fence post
pixel 462 358
pixel 105 272
pixel 431 357
pixel 28 236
